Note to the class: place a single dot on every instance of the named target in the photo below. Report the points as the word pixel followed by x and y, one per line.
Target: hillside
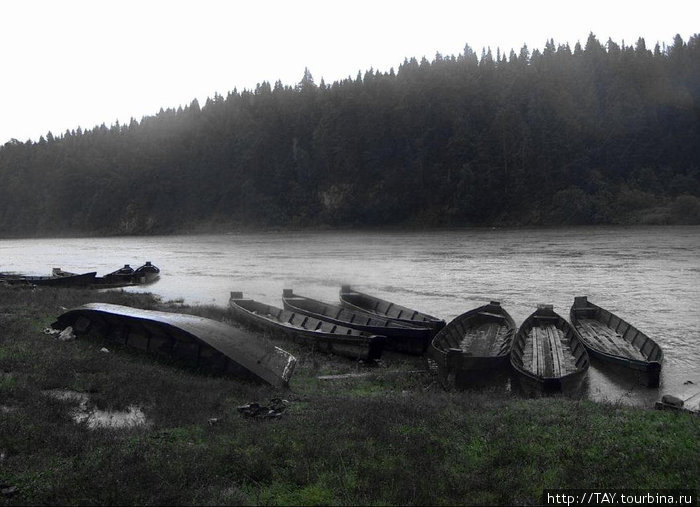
pixel 601 133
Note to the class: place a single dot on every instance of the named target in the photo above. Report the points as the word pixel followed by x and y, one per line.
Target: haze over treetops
pixel 600 133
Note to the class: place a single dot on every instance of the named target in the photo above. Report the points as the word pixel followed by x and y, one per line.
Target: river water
pixel 649 276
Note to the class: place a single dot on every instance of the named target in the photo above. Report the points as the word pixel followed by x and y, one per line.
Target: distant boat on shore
pixel 123 277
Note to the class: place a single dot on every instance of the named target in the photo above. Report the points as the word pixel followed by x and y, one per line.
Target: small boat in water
pixel 606 336
pixel 359 301
pixel 324 335
pixel 547 353
pixel 200 342
pixel 128 276
pixel 473 344
pixel 399 337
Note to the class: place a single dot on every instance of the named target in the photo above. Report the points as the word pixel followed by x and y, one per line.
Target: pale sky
pixel 71 63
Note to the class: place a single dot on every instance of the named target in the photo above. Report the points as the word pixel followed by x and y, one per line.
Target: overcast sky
pixel 70 63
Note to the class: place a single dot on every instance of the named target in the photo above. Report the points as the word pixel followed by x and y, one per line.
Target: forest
pixel 601 133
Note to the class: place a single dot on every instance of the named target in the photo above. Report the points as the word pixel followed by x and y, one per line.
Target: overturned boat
pixel 197 341
pixel 399 337
pixel 323 335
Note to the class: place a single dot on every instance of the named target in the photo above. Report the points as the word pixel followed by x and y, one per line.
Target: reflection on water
pixel 649 276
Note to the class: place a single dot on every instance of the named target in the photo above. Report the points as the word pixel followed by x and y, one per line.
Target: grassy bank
pixel 380 439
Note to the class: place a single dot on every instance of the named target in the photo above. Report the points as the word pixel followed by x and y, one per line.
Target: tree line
pixel 597 134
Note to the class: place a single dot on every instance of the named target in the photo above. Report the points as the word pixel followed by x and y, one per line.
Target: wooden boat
pixel 200 342
pixel 474 343
pixel 324 335
pixel 399 337
pixel 608 337
pixel 359 301
pixel 547 353
pixel 128 276
pixel 123 277
pixel 58 278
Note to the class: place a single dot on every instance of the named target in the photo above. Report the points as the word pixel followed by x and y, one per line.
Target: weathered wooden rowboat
pixel 197 341
pixel 123 277
pixel 606 336
pixel 323 335
pixel 58 278
pixel 399 337
pixel 127 276
pixel 359 301
pixel 474 343
pixel 547 353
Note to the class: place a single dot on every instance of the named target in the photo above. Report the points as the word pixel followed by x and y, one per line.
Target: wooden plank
pixel 545 353
pixel 601 334
pixel 558 364
pixel 538 357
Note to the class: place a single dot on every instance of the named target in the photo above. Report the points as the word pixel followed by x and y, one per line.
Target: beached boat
pixel 323 335
pixel 608 337
pixel 399 337
pixel 128 276
pixel 123 277
pixel 58 278
pixel 473 344
pixel 359 301
pixel 547 354
pixel 199 342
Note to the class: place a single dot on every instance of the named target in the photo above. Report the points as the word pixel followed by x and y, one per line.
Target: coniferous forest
pixel 602 133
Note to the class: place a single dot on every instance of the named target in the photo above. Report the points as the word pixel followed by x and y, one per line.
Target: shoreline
pixel 358 439
pixel 346 229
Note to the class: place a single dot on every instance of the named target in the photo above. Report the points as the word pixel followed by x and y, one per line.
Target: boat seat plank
pixel 494 315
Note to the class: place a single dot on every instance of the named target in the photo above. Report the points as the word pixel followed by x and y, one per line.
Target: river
pixel 649 276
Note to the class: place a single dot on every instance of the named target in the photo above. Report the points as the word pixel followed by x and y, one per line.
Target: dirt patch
pixel 94 418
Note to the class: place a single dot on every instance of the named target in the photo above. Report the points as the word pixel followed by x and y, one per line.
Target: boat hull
pixel 548 356
pixel 361 302
pixel 611 339
pixel 69 280
pixel 203 343
pixel 473 345
pixel 399 337
pixel 321 335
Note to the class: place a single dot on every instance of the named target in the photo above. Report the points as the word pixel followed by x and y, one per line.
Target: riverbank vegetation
pixel 589 134
pixel 388 438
